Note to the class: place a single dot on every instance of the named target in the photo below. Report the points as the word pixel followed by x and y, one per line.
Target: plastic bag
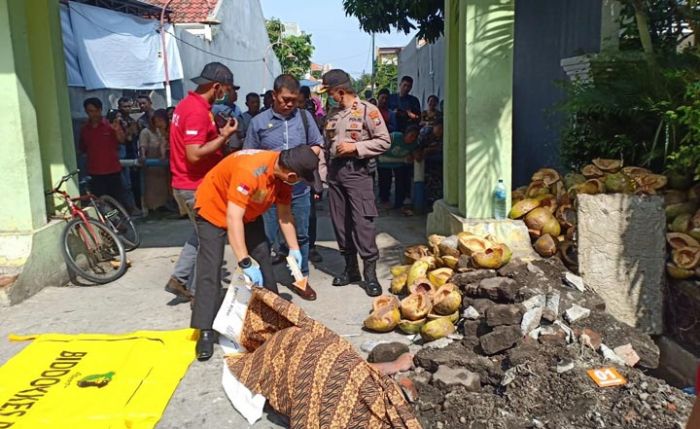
pixel 229 319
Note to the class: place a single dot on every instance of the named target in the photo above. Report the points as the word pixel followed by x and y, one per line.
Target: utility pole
pixel 374 57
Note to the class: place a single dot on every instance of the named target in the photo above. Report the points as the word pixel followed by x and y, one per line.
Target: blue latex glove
pixel 296 254
pixel 254 274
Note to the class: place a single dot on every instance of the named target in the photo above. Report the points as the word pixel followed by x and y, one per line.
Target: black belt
pixel 354 163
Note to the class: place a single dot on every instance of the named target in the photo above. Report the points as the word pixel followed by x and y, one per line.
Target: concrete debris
pixel 504 314
pixel 535 301
pixel 535 333
pixel 565 366
pixel 551 310
pixel 471 313
pixel 610 355
pixel 531 320
pixel 590 338
pixel 627 353
pixel 534 270
pixel 553 335
pixel 387 352
pixel 576 313
pixel 569 332
pixel 498 289
pixel 574 281
pixel 500 339
pixel 509 376
pixel 446 376
pixel 439 343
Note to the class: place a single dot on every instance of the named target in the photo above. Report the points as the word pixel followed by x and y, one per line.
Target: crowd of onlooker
pixel 137 131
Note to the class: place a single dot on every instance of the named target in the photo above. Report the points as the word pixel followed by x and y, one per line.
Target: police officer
pixel 356 134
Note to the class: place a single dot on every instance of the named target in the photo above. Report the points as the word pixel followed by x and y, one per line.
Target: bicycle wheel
pixel 93 251
pixel 119 221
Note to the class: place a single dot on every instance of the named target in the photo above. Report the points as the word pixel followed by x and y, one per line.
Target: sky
pixel 337 38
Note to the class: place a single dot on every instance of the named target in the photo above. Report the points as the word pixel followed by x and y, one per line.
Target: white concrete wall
pixel 426 65
pixel 241 36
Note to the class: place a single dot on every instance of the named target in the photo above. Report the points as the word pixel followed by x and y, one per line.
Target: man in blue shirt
pixel 282 127
pixel 404 107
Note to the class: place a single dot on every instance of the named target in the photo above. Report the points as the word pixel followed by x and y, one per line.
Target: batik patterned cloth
pixel 310 374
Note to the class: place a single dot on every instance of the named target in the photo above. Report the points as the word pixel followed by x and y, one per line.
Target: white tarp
pixel 108 49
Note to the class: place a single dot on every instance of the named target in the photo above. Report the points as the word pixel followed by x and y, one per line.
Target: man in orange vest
pixel 229 205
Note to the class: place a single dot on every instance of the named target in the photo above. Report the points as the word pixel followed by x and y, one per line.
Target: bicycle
pixel 111 213
pixel 91 249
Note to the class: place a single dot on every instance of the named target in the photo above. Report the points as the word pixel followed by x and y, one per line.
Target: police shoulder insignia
pixel 374 114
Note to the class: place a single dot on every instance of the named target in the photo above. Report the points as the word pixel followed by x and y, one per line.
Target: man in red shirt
pixel 230 202
pixel 99 141
pixel 196 146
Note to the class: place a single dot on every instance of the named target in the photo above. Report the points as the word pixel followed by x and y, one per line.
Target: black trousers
pixel 351 201
pixel 210 256
pixel 402 183
pixel 109 184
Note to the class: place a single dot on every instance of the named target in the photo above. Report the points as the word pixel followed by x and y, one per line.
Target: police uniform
pixel 351 187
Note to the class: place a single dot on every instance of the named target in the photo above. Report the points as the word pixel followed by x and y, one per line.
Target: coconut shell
pixel 414 253
pixel 549 202
pixel 523 207
pixel 450 261
pixel 590 171
pixel 538 218
pixel 534 234
pixel 573 179
pixel 635 171
pixel 446 250
pixel 518 194
pixel 552 227
pixel 471 244
pixel 591 187
pixel 422 285
pixel 608 165
pixel 546 246
pixel 453 318
pixel 440 276
pixel 681 223
pixel 447 299
pixel 384 320
pixel 416 306
pixel 675 210
pixel 566 215
pixel 418 270
pixel 399 284
pixel 537 188
pixel 568 255
pixel 384 301
pixel 507 252
pixel 548 176
pixel 571 233
pixel 678 273
pixel 619 183
pixel 679 240
pixel 686 257
pixel 651 181
pixel 411 326
pixel 397 270
pixel 491 257
pixel 436 329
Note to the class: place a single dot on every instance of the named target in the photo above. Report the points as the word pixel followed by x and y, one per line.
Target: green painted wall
pixel 479 97
pixel 20 158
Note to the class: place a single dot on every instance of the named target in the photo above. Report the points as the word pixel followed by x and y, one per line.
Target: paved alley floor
pixel 137 301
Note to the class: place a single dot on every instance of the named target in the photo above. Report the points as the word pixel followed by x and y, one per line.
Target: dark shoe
pixel 178 289
pixel 205 344
pixel 372 286
pixel 308 294
pixel 351 274
pixel 314 256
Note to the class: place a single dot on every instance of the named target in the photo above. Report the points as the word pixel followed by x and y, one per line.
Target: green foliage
pixel 362 83
pixel 293 52
pixel 386 76
pixel 669 22
pixel 404 15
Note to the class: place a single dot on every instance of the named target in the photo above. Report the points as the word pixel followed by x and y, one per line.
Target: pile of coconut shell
pixel 430 304
pixel 548 208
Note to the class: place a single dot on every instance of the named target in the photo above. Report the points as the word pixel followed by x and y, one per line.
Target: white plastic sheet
pixel 108 49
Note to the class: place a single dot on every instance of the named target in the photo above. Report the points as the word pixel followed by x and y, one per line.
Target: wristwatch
pixel 245 262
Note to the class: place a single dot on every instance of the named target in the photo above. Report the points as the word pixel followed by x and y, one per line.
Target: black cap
pixel 333 78
pixel 215 72
pixel 301 160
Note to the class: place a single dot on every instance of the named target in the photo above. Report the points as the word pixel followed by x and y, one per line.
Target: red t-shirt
pixel 99 142
pixel 193 123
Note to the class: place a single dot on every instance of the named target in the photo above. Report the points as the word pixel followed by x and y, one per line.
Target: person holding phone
pixel 196 146
pixel 404 107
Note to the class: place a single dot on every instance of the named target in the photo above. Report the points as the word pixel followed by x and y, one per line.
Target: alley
pixel 137 301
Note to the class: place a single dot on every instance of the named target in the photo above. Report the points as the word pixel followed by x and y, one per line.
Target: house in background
pixel 388 55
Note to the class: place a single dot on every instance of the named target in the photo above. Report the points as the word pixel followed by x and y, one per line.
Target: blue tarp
pixel 108 49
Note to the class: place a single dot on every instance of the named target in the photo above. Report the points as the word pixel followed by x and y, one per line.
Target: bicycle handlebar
pixel 64 179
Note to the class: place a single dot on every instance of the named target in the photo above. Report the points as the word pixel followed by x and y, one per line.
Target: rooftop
pixel 187 11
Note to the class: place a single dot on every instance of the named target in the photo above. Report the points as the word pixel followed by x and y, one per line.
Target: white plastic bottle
pixel 499 200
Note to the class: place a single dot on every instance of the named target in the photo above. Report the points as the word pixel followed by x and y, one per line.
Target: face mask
pixel 332 102
pixel 222 100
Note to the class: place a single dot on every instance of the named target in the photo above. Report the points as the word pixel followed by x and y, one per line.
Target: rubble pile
pixel 528 335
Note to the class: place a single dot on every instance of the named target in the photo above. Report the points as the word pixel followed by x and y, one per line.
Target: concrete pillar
pixel 478 103
pixel 610 26
pixel 37 146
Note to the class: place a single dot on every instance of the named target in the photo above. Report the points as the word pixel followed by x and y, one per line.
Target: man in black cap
pixel 356 134
pixel 230 202
pixel 196 146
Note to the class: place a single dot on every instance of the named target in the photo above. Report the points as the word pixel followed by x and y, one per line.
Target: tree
pixel 386 75
pixel 293 52
pixel 404 15
pixel 362 83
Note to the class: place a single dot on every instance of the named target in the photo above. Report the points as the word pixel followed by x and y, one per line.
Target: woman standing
pixel 153 145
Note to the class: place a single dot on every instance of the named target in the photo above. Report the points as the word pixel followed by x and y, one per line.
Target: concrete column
pixel 455 45
pixel 51 93
pixel 610 26
pixel 20 159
